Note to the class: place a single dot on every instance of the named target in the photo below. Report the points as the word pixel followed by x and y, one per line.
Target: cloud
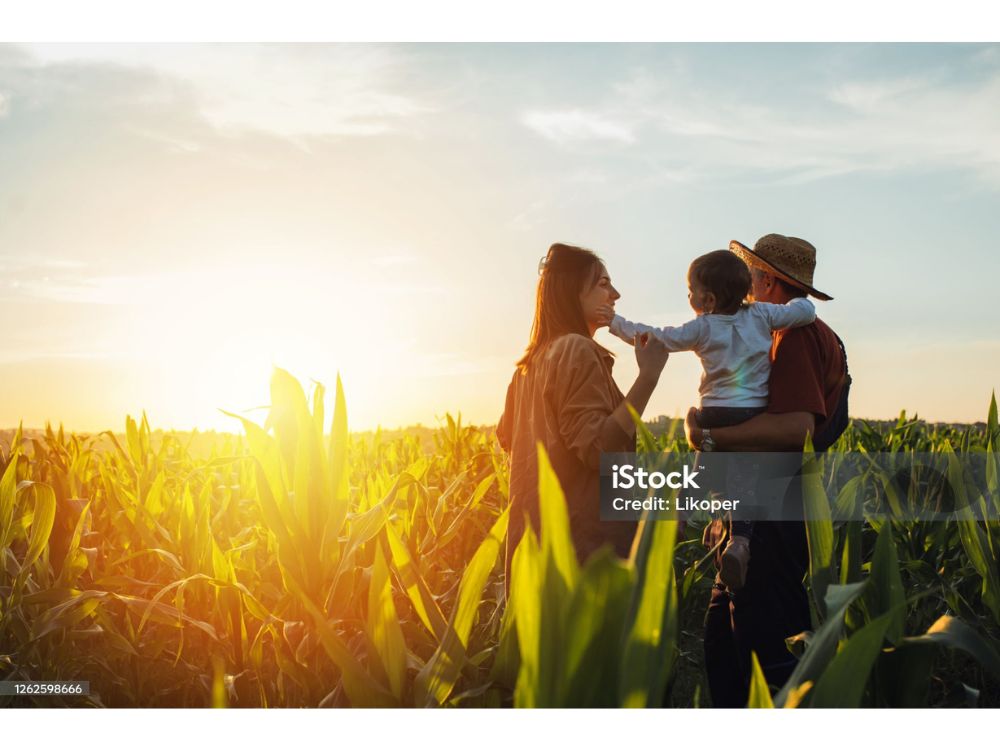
pixel 689 130
pixel 289 90
pixel 908 123
pixel 870 96
pixel 874 125
pixel 569 127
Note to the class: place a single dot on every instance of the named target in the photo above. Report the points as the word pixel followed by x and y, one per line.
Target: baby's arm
pixel 798 312
pixel 675 338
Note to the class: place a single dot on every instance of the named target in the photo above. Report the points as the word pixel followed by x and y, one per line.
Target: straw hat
pixel 788 258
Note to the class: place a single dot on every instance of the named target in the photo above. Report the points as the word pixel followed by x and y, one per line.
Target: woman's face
pixel 598 301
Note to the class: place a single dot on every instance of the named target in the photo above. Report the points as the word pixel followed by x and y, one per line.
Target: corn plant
pixel 297 564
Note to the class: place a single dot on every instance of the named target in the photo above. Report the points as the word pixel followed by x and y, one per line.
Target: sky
pixel 176 220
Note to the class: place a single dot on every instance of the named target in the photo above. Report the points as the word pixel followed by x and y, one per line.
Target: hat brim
pixel 751 258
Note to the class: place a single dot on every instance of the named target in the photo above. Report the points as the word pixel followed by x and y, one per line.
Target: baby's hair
pixel 723 274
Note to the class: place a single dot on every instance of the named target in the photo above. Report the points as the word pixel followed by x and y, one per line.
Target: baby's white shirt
pixel 734 349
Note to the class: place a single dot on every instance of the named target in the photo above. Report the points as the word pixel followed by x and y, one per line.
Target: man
pixel 809 385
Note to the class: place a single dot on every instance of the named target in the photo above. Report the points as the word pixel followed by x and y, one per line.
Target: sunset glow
pixel 178 219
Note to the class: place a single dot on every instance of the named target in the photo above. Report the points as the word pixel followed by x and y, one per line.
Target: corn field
pixel 300 565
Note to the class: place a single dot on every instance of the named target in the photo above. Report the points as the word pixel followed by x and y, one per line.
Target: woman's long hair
pixel 567 272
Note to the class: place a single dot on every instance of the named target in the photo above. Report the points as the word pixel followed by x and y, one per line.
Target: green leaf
pixel 819 530
pixel 507 661
pixel 954 633
pixel 8 495
pixel 75 562
pixel 437 679
pixel 154 502
pixel 651 625
pixel 423 600
pixel 842 683
pixel 850 564
pixel 974 538
pixel 64 616
pixel 645 440
pixel 823 644
pixel 475 577
pixel 134 443
pixel 340 470
pixel 383 625
pixel 595 623
pixel 885 595
pixel 367 525
pixel 480 492
pixel 41 523
pixel 846 506
pixel 760 693
pixel 992 424
pixel 903 675
pixel 361 688
pixel 557 541
pixel 525 590
pixel 319 394
pixel 558 571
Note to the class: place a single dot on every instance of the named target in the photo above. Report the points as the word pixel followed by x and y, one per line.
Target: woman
pixel 562 395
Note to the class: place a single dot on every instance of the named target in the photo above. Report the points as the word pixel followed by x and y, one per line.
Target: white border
pixel 497 729
pixel 493 20
pixel 514 20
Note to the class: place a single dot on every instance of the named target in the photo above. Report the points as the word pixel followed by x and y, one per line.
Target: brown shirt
pixel 807 371
pixel 564 400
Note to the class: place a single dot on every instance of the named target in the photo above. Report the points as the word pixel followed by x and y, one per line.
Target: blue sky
pixel 175 219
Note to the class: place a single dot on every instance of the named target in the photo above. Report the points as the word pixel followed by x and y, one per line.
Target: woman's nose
pixel 614 294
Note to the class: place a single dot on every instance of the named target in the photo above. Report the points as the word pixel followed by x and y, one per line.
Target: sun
pixel 210 340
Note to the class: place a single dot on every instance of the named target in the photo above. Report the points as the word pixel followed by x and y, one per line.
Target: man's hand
pixel 691 429
pixel 765 432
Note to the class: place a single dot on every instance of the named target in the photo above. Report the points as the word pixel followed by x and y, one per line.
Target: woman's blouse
pixel 564 400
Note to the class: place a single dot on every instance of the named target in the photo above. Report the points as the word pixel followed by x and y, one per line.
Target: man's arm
pixel 765 432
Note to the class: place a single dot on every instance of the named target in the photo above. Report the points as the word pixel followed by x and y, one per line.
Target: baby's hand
pixel 605 314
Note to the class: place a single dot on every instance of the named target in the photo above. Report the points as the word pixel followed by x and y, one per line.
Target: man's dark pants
pixel 772 606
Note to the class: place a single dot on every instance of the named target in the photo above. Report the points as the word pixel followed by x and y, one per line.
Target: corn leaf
pixel 760 693
pixel 383 625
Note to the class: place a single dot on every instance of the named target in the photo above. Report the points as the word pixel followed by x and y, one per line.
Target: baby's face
pixel 701 301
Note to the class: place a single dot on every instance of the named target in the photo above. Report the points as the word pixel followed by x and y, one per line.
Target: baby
pixel 733 340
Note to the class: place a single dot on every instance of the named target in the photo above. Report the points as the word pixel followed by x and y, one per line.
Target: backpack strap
pixel 837 422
